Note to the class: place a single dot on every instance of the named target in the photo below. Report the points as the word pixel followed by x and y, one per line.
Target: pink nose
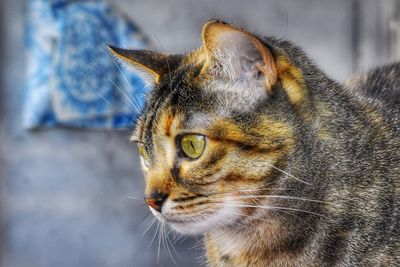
pixel 156 201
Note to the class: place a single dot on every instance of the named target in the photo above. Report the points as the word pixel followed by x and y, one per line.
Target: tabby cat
pixel 248 143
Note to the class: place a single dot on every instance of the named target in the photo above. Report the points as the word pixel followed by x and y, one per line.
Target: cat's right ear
pixel 241 55
pixel 152 66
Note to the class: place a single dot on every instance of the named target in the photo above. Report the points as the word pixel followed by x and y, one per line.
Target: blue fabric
pixel 72 80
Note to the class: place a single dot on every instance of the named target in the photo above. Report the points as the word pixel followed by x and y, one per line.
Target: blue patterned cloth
pixel 72 80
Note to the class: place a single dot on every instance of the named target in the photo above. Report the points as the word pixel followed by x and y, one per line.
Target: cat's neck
pixel 255 245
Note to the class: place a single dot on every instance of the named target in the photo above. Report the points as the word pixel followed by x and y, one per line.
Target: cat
pixel 246 142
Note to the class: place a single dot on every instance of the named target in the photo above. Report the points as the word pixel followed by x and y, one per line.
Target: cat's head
pixel 217 128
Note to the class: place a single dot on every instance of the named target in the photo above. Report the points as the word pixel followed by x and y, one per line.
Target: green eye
pixel 144 154
pixel 193 145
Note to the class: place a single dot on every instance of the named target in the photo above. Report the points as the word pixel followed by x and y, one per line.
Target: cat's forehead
pixel 174 98
pixel 195 95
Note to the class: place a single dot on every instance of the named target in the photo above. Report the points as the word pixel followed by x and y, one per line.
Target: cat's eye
pixel 144 154
pixel 193 145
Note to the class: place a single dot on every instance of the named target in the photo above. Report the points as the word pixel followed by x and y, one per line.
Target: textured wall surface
pixel 64 193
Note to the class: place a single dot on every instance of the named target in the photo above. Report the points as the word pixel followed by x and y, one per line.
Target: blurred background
pixel 70 183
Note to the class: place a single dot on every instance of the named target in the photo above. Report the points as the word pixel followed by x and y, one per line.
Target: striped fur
pixel 304 173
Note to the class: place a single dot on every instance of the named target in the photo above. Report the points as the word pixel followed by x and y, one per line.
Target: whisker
pixel 273 208
pixel 244 215
pixel 155 233
pixel 135 198
pixel 172 245
pixel 144 218
pixel 126 80
pixel 159 244
pixel 123 92
pixel 126 94
pixel 288 174
pixel 104 47
pixel 150 225
pixel 166 245
pixel 244 190
pixel 114 110
pixel 197 245
pixel 183 239
pixel 127 131
pixel 285 197
pixel 262 186
pixel 162 236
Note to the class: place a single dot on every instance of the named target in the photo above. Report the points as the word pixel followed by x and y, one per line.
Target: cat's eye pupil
pixel 143 153
pixel 193 145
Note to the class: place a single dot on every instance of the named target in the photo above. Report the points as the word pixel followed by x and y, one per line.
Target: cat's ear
pixel 151 65
pixel 241 55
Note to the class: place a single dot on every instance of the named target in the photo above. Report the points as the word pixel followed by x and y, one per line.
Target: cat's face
pixel 213 134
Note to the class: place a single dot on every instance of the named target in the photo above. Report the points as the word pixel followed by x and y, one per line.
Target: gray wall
pixel 64 193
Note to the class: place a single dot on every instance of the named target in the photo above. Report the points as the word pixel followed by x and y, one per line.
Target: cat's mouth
pixel 200 219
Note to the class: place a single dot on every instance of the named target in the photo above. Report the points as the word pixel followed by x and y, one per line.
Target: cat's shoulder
pixel 381 84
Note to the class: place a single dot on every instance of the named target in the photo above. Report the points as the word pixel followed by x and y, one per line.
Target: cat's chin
pixel 185 227
pixel 190 228
pixel 198 226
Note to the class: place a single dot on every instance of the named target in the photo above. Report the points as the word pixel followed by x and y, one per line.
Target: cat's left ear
pixel 241 55
pixel 151 65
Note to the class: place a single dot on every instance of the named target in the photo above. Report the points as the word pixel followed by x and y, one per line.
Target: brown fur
pixel 297 169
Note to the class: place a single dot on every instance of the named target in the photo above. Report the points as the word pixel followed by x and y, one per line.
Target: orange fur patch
pixel 292 81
